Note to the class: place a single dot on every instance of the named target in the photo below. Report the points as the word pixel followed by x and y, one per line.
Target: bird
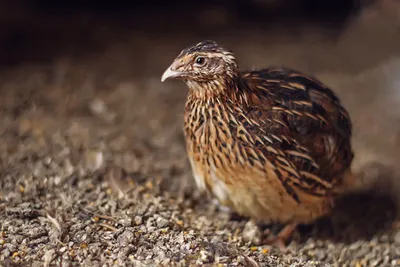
pixel 273 145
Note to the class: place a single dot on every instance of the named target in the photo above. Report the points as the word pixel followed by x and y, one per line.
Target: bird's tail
pixel 374 177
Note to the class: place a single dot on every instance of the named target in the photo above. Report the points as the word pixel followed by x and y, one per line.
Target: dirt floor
pixel 93 165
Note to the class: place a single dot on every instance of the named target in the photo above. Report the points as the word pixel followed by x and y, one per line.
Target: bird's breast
pixel 226 164
pixel 209 150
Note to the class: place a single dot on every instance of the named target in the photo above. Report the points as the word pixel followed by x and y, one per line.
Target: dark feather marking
pixel 305 116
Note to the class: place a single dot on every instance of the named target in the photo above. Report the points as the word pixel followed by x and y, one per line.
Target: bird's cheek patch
pixel 218 66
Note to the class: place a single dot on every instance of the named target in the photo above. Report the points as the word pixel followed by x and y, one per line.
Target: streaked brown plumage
pixel 272 144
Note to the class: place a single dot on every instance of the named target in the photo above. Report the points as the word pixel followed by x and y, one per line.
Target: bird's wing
pixel 306 129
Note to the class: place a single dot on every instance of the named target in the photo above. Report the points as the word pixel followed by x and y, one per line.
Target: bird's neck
pixel 205 90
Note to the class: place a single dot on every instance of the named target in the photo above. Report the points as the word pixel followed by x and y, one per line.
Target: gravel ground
pixel 94 171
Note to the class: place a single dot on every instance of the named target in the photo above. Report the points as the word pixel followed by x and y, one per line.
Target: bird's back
pixel 305 121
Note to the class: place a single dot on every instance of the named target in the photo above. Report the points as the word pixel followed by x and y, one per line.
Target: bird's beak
pixel 171 71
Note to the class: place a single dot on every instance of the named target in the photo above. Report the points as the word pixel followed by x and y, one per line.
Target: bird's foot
pixel 275 242
pixel 281 239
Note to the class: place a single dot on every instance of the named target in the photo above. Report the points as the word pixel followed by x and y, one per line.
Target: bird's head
pixel 204 65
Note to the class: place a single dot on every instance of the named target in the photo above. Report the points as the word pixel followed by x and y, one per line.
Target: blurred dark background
pixel 42 29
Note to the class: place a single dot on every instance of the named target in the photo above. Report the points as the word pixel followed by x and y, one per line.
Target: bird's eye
pixel 200 61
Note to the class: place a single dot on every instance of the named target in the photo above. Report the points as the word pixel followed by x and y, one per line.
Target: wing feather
pixel 303 120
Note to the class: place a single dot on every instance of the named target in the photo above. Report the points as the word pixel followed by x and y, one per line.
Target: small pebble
pixel 252 233
pixel 94 160
pixel 126 238
pixel 162 222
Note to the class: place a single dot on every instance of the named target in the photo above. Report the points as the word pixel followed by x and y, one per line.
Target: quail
pixel 273 144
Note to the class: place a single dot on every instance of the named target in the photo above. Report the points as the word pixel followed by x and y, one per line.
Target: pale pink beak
pixel 169 73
